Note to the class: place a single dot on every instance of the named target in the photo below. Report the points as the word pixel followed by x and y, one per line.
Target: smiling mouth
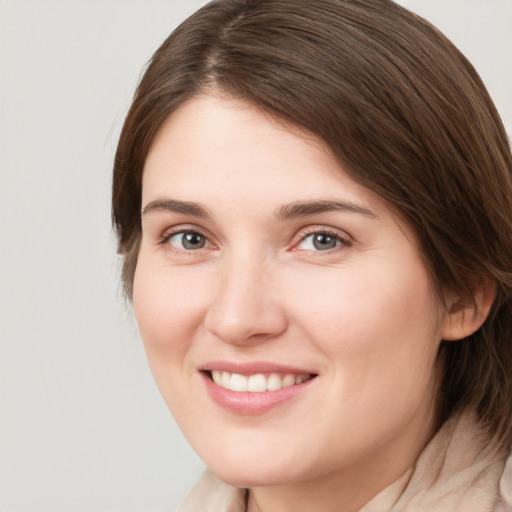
pixel 257 383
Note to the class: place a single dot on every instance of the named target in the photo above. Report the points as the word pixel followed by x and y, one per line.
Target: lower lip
pixel 249 403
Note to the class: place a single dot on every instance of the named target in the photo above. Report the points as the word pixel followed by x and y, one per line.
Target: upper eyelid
pixel 345 239
pixel 169 232
pixel 184 228
pixel 311 230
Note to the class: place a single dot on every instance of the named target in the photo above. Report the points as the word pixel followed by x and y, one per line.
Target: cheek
pixel 168 308
pixel 380 335
pixel 378 327
pixel 355 301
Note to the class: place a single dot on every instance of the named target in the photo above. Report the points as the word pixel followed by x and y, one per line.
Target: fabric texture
pixel 458 471
pixel 212 495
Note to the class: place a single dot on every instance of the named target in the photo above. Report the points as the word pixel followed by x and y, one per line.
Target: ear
pixel 463 318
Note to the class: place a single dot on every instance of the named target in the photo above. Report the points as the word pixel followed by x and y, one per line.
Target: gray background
pixel 83 427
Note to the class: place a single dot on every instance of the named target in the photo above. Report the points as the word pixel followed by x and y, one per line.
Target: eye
pixel 321 241
pixel 188 240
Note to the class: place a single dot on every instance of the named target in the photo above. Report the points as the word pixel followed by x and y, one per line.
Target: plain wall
pixel 82 425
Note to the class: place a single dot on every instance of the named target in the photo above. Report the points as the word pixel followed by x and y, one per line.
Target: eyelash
pixel 342 240
pixel 183 231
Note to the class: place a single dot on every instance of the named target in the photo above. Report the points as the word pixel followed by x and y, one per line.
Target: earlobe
pixel 463 318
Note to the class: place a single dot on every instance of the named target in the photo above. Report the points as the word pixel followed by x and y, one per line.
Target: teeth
pixel 274 382
pixel 299 379
pixel 289 381
pixel 257 383
pixel 238 382
pixel 217 377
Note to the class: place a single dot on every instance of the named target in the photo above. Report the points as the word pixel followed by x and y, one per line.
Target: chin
pixel 248 477
pixel 258 468
pixel 249 457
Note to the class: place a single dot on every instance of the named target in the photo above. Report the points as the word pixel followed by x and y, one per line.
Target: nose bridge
pixel 246 302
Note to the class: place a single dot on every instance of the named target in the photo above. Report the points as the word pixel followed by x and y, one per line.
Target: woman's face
pixel 265 267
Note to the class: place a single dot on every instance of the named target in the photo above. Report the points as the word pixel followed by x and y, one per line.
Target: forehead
pixel 236 131
pixel 213 140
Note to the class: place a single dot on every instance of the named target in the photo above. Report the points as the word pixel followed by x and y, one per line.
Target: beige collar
pixel 459 470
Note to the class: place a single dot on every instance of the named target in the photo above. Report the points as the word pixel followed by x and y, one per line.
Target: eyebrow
pixel 172 205
pixel 287 211
pixel 305 208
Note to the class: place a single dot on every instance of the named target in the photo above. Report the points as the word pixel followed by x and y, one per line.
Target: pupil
pixel 323 241
pixel 193 241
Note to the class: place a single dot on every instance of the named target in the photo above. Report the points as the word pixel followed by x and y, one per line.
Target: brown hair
pixel 406 115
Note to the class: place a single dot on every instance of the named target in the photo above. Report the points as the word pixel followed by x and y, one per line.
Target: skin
pixel 361 315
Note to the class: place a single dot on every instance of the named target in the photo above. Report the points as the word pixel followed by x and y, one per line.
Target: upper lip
pixel 253 368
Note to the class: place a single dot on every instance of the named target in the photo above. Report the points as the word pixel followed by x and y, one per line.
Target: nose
pixel 246 306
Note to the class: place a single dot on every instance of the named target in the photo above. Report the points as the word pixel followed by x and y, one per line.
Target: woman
pixel 313 203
